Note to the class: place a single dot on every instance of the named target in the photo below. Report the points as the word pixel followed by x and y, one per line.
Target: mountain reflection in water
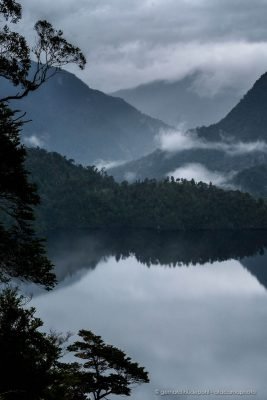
pixel 75 252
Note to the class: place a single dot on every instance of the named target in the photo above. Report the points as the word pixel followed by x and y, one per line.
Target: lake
pixel 190 308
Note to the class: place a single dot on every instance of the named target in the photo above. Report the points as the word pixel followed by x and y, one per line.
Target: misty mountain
pixel 85 124
pixel 181 102
pixel 253 180
pixel 247 121
pixel 243 127
pixel 162 163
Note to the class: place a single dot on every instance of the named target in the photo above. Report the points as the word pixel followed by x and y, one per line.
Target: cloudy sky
pixel 129 42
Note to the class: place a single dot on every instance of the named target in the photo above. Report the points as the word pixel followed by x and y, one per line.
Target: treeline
pixel 77 197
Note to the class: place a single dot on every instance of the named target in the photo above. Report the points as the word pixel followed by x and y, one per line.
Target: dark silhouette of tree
pixel 32 369
pixel 21 252
pixel 51 49
pixel 28 357
pixel 105 370
pixel 31 359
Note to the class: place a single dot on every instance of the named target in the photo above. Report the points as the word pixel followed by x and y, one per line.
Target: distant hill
pixel 244 125
pixel 178 102
pixel 85 124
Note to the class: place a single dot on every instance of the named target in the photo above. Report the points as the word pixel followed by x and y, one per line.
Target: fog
pixel 176 140
pixel 33 141
pixel 199 172
pixel 104 164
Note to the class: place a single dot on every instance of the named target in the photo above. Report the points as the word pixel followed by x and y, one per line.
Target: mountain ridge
pixel 244 125
pixel 83 123
pixel 179 102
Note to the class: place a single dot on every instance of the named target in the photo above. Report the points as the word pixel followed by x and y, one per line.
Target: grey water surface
pixel 191 308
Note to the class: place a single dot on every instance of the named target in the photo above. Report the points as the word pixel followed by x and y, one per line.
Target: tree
pixel 28 357
pixel 21 252
pixel 51 51
pixel 32 369
pixel 106 370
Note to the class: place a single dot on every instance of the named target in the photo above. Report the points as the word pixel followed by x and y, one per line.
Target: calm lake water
pixel 191 308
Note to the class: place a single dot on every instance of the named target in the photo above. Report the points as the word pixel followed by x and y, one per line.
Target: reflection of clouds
pixel 195 327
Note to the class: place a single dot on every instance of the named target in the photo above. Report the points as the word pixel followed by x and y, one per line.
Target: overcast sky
pixel 129 42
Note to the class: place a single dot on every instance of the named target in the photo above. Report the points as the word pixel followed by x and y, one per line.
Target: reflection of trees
pixel 184 248
pixel 73 251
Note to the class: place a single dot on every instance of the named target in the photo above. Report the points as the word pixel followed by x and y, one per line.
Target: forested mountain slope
pixel 78 197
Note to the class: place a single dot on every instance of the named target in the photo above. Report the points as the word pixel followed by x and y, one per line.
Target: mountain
pixel 180 102
pixel 247 121
pixel 253 180
pixel 235 143
pixel 85 124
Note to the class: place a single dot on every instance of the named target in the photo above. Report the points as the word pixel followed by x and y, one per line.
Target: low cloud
pixel 102 164
pixel 200 173
pixel 130 176
pixel 176 141
pixel 174 38
pixel 33 141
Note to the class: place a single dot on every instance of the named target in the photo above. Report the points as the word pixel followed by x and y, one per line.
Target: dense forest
pixel 77 197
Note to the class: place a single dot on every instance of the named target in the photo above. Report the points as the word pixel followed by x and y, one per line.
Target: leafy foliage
pixel 106 370
pixel 28 355
pixel 51 50
pixel 78 197
pixel 22 253
pixel 33 370
pixel 10 10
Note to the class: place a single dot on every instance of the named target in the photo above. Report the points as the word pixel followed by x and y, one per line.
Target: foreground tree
pixel 28 356
pixel 21 252
pixel 32 369
pixel 106 370
pixel 51 51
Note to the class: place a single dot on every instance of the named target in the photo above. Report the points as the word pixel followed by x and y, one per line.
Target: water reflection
pixel 202 326
pixel 75 252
